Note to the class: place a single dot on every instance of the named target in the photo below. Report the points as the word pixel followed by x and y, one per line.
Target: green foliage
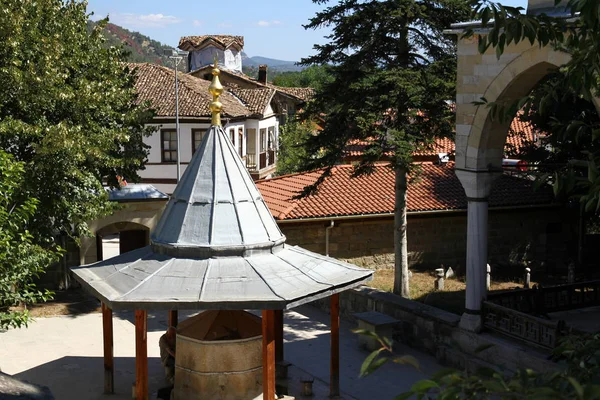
pixel 292 152
pixel 314 77
pixel 68 112
pixel 577 378
pixel 576 82
pixel 392 71
pixel 20 258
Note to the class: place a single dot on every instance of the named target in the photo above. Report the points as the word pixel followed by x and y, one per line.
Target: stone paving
pixel 65 354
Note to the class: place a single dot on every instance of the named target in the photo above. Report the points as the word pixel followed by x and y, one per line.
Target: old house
pixel 253 110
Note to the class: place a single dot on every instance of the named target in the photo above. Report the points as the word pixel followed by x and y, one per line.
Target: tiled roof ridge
pixel 436 189
pixel 226 41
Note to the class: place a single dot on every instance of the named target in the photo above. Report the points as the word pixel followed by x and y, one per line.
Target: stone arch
pixel 132 216
pixel 480 145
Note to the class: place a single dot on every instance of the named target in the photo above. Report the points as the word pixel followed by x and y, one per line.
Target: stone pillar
pixel 477 185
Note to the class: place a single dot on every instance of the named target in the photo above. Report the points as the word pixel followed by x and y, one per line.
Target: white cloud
pixel 144 21
pixel 264 23
pixel 197 22
pixel 224 25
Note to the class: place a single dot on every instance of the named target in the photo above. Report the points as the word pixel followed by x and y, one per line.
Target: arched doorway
pixel 120 237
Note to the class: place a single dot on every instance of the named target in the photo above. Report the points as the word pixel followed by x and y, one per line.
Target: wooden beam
pixel 278 315
pixel 334 375
pixel 107 336
pixel 173 318
pixel 268 350
pixel 141 355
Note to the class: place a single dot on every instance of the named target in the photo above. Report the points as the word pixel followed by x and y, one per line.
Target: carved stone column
pixel 477 185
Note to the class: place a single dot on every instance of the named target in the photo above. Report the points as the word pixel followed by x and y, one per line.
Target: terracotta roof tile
pixel 190 43
pixel 256 100
pixel 155 83
pixel 436 188
pixel 520 135
pixel 304 94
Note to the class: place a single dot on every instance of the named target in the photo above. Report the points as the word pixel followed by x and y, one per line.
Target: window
pixel 241 141
pixel 197 136
pixel 263 140
pixel 169 145
pixel 232 135
pixel 271 143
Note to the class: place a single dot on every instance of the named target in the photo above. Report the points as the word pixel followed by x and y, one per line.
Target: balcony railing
pixel 265 159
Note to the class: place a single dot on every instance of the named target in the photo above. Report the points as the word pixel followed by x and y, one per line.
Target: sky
pixel 271 28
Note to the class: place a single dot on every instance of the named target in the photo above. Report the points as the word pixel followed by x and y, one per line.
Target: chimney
pixel 262 74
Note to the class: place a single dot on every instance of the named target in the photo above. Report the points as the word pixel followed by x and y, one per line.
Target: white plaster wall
pixel 230 59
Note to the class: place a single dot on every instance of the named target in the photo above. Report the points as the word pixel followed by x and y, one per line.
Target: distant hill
pixel 274 64
pixel 144 49
pixel 141 48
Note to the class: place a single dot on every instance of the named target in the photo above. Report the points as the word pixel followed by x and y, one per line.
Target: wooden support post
pixel 173 316
pixel 278 314
pixel 268 350
pixel 334 375
pixel 107 335
pixel 141 355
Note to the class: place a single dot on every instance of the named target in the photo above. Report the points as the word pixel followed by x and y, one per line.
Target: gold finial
pixel 216 89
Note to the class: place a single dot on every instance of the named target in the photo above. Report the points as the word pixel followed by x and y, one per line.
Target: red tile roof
pixel 436 188
pixel 156 84
pixel 520 135
pixel 256 100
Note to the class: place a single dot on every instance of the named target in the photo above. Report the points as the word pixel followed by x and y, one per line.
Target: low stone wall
pixel 436 331
pixel 515 236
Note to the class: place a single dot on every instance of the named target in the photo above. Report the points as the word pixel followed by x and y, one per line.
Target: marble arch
pixel 480 140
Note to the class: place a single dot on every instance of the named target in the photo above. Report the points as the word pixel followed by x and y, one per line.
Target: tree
pixel 21 259
pixel 314 77
pixel 577 81
pixel 292 151
pixel 392 74
pixel 68 112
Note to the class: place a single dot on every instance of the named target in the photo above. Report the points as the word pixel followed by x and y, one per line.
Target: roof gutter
pixel 410 213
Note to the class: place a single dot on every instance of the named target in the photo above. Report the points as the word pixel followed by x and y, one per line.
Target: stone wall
pixel 436 331
pixel 515 236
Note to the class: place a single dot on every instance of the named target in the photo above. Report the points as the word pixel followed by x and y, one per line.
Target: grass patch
pixel 451 299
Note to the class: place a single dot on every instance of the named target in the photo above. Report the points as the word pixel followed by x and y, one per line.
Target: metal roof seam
pixel 307 275
pixel 228 147
pixel 120 270
pixel 203 286
pixel 324 258
pixel 211 227
pixel 145 279
pixel 264 279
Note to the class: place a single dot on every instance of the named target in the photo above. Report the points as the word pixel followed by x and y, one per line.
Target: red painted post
pixel 107 336
pixel 278 314
pixel 141 355
pixel 173 318
pixel 334 376
pixel 268 337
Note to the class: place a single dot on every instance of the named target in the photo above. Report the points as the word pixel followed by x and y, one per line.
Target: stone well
pixel 219 356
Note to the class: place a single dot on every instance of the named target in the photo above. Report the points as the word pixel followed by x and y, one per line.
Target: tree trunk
pixel 400 242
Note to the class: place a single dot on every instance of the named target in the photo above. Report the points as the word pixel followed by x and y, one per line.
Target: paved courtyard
pixel 65 354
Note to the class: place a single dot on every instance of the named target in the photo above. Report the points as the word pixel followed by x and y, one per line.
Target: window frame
pixel 163 159
pixel 202 134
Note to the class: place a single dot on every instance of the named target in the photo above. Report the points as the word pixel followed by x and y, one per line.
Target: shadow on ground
pixel 82 378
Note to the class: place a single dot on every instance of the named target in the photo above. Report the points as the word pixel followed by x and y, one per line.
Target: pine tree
pixel 393 74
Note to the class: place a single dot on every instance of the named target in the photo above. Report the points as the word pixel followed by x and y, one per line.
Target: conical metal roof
pixel 216 208
pixel 217 247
